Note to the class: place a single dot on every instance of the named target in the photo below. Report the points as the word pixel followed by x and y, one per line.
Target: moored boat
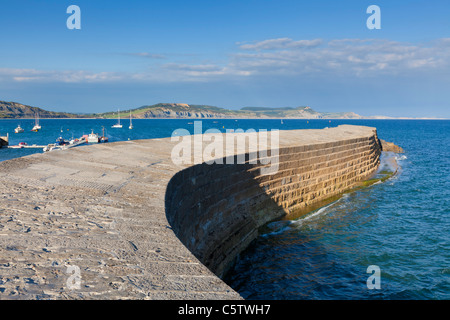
pixel 117 125
pixel 62 144
pixel 19 146
pixel 93 137
pixel 36 127
pixel 131 124
pixel 19 129
pixel 103 138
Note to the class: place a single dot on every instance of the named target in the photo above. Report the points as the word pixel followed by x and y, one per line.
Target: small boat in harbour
pixel 93 137
pixel 131 124
pixel 58 145
pixel 37 126
pixel 103 138
pixel 24 145
pixel 62 144
pixel 19 129
pixel 19 146
pixel 117 125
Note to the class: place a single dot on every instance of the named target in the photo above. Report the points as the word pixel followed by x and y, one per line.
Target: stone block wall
pixel 216 210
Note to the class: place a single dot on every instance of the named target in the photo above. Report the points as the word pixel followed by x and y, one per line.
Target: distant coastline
pixel 196 119
pixel 15 110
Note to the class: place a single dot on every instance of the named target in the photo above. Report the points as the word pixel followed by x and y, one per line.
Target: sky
pixel 229 54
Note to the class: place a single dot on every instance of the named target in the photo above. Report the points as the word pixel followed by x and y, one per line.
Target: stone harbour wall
pixel 216 210
pixel 132 224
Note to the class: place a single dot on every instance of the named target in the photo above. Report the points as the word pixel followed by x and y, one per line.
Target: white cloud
pixel 358 57
pixel 280 43
pixel 275 57
pixel 148 55
pixel 30 75
pixel 193 68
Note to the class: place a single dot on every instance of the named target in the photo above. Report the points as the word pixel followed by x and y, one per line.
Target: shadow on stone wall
pixel 216 210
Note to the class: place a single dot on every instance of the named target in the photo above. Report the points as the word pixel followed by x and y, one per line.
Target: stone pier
pixel 122 221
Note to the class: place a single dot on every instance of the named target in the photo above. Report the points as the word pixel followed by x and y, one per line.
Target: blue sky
pixel 229 54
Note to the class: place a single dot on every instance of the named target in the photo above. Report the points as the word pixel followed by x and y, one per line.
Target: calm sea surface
pixel 402 225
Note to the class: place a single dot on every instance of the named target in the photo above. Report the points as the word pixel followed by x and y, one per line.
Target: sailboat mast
pixel 131 123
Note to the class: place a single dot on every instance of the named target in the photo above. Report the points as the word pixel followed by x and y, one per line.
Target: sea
pixel 389 241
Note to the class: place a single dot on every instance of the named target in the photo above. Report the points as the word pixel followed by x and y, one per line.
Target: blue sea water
pixel 402 225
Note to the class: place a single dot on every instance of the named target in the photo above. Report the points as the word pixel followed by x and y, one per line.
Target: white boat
pixel 58 145
pixel 117 125
pixel 49 147
pixel 76 142
pixel 19 146
pixel 36 127
pixel 19 129
pixel 92 137
pixel 61 144
pixel 131 124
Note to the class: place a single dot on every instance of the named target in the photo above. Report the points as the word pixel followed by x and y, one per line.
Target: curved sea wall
pixel 216 210
pixel 123 220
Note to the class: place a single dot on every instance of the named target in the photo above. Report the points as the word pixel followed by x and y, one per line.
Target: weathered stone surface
pixel 219 215
pixel 136 226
